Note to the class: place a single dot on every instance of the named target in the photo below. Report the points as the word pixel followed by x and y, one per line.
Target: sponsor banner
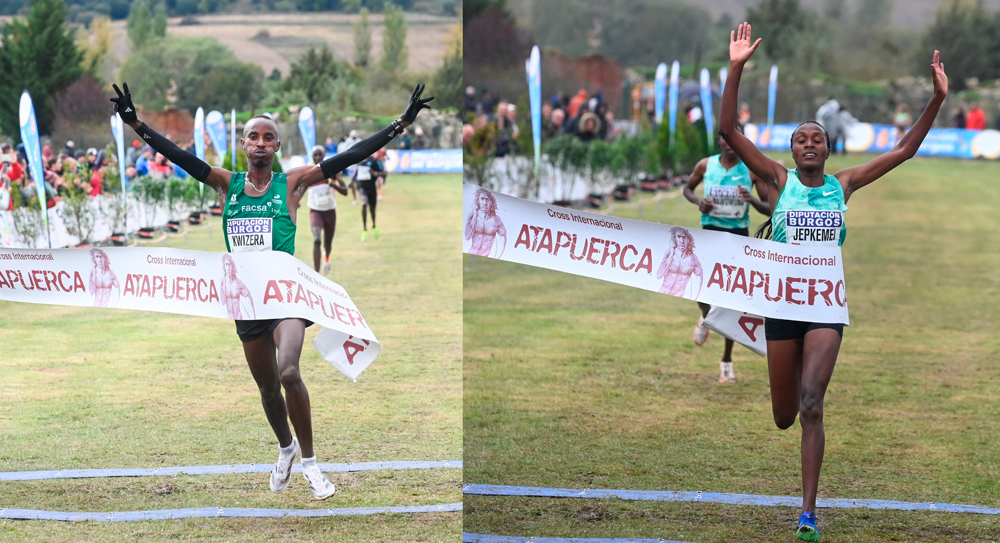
pixel 307 127
pixel 118 131
pixel 232 139
pixel 761 277
pixel 660 91
pixel 742 327
pixel 706 107
pixel 723 75
pixel 533 66
pixel 424 161
pixel 199 133
pixel 215 125
pixel 246 286
pixel 29 137
pixel 772 94
pixel 879 138
pixel 675 75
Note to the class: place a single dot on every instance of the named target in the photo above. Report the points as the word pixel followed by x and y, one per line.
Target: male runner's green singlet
pixel 810 215
pixel 729 210
pixel 258 223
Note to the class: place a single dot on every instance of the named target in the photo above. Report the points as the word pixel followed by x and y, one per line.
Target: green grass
pixel 573 382
pixel 91 388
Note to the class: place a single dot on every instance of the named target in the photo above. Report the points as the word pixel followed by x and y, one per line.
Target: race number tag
pixel 727 202
pixel 812 227
pixel 321 195
pixel 252 234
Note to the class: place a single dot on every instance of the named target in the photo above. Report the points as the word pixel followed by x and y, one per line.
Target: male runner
pixel 323 212
pixel 255 195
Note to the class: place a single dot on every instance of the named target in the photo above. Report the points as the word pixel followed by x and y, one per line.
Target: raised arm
pixel 306 176
pixel 740 50
pixel 854 178
pixel 217 178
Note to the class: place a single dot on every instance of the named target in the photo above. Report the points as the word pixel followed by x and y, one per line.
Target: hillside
pixel 912 14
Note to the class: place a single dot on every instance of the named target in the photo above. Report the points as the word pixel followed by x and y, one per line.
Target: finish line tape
pixel 216 470
pixel 486 538
pixel 218 512
pixel 714 497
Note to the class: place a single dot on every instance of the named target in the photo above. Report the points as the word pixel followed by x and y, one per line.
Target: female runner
pixel 243 197
pixel 801 355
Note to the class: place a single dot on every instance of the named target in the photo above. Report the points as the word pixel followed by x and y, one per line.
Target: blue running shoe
pixel 807 527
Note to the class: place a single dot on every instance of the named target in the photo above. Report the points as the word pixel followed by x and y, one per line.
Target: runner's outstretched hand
pixel 937 72
pixel 416 104
pixel 740 49
pixel 123 105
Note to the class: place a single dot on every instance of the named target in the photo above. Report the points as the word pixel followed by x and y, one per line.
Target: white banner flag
pixel 739 326
pixel 760 277
pixel 245 286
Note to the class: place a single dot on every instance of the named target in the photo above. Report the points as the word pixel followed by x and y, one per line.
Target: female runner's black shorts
pixel 780 329
pixel 369 191
pixel 745 232
pixel 251 330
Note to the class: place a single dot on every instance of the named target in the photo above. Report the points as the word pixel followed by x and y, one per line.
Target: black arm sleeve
pixel 188 162
pixel 362 150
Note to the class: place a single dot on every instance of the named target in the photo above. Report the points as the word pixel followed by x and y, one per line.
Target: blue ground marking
pixel 217 512
pixel 713 497
pixel 485 538
pixel 215 470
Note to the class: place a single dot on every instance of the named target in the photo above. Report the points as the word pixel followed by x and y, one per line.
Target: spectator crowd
pixel 490 123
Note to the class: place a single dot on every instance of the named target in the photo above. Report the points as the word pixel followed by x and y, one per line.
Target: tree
pixel 362 40
pixel 967 37
pixel 315 73
pixel 94 50
pixel 140 23
pixel 447 82
pixel 394 42
pixel 206 73
pixel 39 56
pixel 160 23
pixel 783 23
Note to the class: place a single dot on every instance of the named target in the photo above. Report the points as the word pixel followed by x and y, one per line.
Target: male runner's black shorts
pixel 369 191
pixel 251 330
pixel 745 232
pixel 780 329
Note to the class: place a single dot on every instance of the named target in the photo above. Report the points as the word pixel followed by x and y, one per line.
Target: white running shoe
pixel 282 471
pixel 726 374
pixel 321 486
pixel 700 334
pixel 325 269
pixel 354 202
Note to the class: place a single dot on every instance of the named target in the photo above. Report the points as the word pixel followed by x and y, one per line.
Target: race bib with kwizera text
pixel 250 234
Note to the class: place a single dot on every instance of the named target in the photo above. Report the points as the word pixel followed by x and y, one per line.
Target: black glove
pixel 124 106
pixel 416 104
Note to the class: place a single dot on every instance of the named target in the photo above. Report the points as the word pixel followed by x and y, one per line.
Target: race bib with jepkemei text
pixel 813 227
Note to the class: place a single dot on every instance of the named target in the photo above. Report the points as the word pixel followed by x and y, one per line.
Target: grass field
pixel 91 388
pixel 577 383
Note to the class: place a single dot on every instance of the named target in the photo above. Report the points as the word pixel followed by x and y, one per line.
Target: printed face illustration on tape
pixel 484 227
pixel 234 294
pixel 250 234
pixel 812 227
pixel 680 268
pixel 103 282
pixel 726 202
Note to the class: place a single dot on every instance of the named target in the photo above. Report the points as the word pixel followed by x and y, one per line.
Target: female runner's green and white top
pixel 729 210
pixel 810 215
pixel 258 223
